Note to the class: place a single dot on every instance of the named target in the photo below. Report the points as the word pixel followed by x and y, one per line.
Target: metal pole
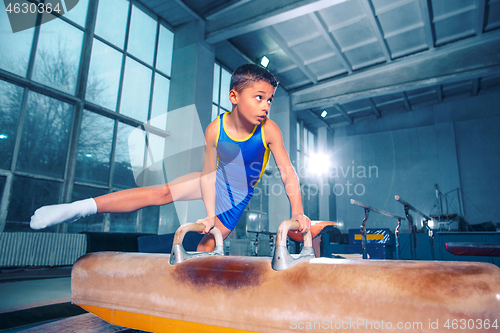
pixel 413 236
pixel 363 234
pixel 432 241
pixel 431 238
pixel 459 202
pixel 397 238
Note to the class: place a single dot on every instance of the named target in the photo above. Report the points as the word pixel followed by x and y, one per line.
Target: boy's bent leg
pixel 207 243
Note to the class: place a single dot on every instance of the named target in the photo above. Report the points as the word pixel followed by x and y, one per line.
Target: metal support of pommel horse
pixel 179 255
pixel 363 225
pixel 407 208
pixel 282 259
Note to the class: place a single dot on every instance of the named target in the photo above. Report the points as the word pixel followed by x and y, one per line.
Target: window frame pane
pixel 78 14
pixel 15 48
pixel 136 90
pixel 112 14
pixel 53 52
pixel 125 176
pixel 165 51
pixel 141 43
pixel 99 151
pixel 10 113
pixel 102 72
pixel 52 150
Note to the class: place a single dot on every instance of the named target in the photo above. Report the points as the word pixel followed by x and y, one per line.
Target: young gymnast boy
pixel 238 144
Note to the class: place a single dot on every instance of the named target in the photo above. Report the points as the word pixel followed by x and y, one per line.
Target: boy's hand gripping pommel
pixel 304 222
pixel 208 222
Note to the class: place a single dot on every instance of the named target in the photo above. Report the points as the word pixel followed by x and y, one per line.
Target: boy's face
pixel 254 101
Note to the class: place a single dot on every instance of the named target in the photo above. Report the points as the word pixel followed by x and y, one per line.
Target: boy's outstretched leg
pixel 183 188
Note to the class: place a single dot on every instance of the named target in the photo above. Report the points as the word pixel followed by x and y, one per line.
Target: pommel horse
pixel 204 292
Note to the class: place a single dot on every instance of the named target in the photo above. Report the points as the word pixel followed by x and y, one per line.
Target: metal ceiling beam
pixel 475 87
pixel 189 10
pixel 392 5
pixel 291 53
pixel 459 11
pixel 346 23
pixel 323 121
pixel 462 60
pixel 304 39
pixel 426 17
pixel 448 79
pixel 298 84
pixel 403 30
pixel 240 53
pixel 323 28
pixel 360 44
pixel 258 14
pixel 376 111
pixel 319 58
pixel 285 69
pixel 224 9
pixel 406 101
pixel 343 112
pixel 481 10
pixel 439 92
pixel 377 29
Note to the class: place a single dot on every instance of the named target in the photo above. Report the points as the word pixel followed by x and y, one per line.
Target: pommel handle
pixel 179 255
pixel 282 259
pixel 185 228
pixel 291 225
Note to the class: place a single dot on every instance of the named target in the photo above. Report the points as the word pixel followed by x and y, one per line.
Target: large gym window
pixel 72 91
pixel 306 146
pixel 220 100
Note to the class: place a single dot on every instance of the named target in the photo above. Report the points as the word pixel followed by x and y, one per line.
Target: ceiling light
pixel 264 61
pixel 324 113
pixel 3 136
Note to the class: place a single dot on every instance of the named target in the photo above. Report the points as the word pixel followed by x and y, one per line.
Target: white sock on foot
pixel 47 216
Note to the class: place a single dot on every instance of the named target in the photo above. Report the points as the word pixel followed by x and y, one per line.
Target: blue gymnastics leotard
pixel 240 165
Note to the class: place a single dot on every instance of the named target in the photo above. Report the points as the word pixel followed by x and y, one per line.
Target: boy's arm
pixel 288 174
pixel 207 180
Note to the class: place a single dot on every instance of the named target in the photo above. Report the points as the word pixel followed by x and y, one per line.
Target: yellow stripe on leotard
pixel 266 154
pixel 217 140
pixel 233 138
pixel 218 130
